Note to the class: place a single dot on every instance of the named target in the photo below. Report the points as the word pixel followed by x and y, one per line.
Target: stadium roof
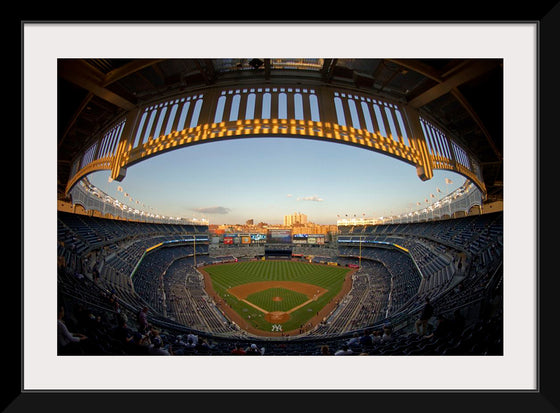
pixel 464 95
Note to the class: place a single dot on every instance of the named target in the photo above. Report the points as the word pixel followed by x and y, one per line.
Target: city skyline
pixel 265 179
pixel 295 218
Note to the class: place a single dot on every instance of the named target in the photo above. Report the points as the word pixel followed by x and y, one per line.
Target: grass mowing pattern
pixel 225 276
pixel 265 299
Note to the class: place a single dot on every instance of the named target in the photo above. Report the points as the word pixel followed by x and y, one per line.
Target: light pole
pixel 360 256
pixel 194 238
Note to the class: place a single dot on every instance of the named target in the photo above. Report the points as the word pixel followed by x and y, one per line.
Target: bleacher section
pixel 105 266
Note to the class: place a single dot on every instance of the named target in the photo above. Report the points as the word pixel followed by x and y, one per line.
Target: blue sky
pixel 263 179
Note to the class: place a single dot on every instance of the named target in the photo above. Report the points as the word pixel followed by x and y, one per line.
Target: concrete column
pixel 411 117
pixel 125 143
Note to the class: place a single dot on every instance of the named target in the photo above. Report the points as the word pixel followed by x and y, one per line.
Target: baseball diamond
pixel 271 298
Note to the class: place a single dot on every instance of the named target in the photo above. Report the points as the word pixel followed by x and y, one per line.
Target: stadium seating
pixel 106 272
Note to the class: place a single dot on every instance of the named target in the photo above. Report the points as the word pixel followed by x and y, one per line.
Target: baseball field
pixel 276 297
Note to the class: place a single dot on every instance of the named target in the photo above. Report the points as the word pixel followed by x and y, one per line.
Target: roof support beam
pixel 83 75
pixel 127 70
pixel 445 85
pixel 267 68
pixel 328 68
pixel 462 74
pixel 93 81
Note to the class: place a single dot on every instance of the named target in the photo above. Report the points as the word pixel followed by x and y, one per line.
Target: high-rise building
pixel 295 218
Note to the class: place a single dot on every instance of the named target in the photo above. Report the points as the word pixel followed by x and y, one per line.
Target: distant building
pixel 297 218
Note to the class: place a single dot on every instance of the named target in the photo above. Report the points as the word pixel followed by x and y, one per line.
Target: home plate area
pixel 312 292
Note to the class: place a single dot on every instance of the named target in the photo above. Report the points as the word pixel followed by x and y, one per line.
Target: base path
pixel 242 291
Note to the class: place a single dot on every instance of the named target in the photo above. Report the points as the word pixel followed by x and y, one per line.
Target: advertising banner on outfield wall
pixel 316 239
pixel 299 239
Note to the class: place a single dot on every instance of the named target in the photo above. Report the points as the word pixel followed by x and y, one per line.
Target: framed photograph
pixel 515 371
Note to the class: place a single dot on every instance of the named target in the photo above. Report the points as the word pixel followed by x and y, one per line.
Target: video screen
pixel 258 237
pixel 300 239
pixel 279 236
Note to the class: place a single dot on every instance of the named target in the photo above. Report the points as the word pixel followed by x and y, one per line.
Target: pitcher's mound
pixel 277 317
pixel 277 299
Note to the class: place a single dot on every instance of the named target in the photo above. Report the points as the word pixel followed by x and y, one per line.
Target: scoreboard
pixel 314 239
pixel 279 236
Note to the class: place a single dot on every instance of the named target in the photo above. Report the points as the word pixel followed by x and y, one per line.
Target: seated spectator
pixel 376 336
pixel 142 318
pixel 179 340
pixel 202 346
pixel 325 350
pixel 355 340
pixel 238 350
pixel 344 351
pixel 96 332
pixel 193 338
pixel 190 343
pixel 68 343
pixel 142 339
pixel 421 324
pixel 123 334
pixel 253 350
pixel 387 333
pixel 366 340
pixel 443 328
pixel 156 348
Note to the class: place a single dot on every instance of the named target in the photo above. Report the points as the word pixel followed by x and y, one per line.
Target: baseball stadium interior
pixel 135 284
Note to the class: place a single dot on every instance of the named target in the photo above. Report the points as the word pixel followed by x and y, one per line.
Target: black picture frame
pixel 544 399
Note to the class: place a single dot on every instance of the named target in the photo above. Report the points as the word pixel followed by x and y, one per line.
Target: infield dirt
pixel 242 291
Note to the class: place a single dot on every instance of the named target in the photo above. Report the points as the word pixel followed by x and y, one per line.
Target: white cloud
pixel 313 198
pixel 213 210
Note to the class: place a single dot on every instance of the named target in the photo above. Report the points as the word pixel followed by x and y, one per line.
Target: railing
pixel 92 199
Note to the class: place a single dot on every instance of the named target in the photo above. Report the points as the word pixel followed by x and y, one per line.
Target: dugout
pixel 278 253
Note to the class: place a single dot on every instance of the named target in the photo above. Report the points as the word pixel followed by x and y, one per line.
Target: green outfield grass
pixel 226 276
